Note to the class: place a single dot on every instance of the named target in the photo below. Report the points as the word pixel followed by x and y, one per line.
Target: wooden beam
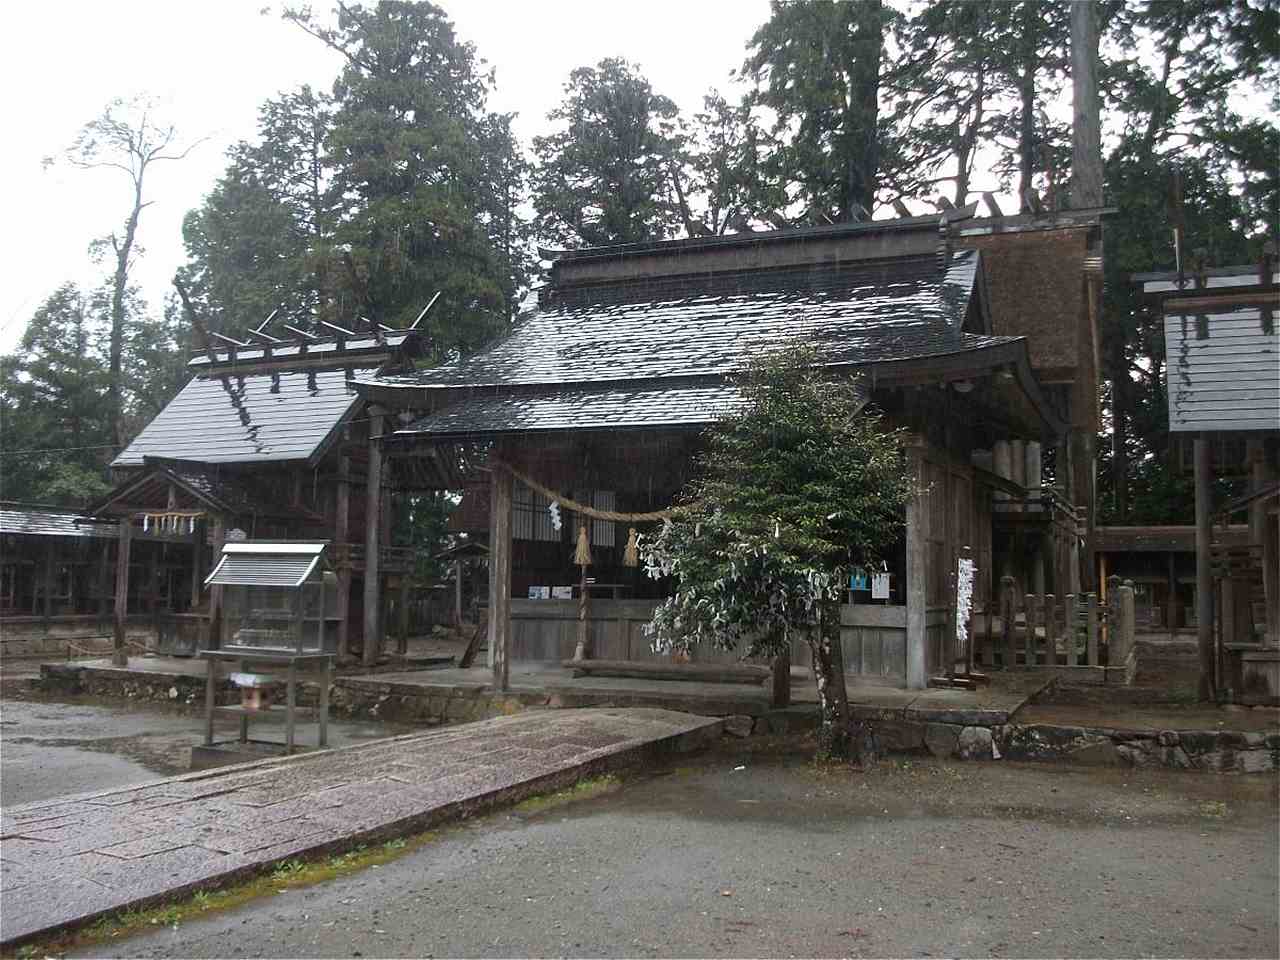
pixel 1204 578
pixel 341 535
pixel 372 529
pixel 917 534
pixel 500 544
pixel 119 650
pixel 457 592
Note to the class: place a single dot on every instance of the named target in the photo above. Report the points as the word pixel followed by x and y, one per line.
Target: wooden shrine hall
pixel 596 403
pixel 267 441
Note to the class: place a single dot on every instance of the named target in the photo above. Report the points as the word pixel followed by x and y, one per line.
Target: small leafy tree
pixel 792 492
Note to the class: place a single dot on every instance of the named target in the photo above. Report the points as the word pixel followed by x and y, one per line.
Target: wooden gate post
pixel 372 527
pixel 119 649
pixel 782 680
pixel 500 543
pixel 1006 615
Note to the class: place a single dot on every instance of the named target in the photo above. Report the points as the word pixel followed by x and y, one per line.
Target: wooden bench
pixel 652 670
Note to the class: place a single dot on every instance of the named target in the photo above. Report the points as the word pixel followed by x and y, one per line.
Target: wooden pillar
pixel 47 607
pixel 917 564
pixel 457 592
pixel 781 696
pixel 219 538
pixel 341 536
pixel 1171 601
pixel 1204 579
pixel 500 543
pixel 1263 530
pixel 402 643
pixel 198 536
pixel 119 650
pixel 372 529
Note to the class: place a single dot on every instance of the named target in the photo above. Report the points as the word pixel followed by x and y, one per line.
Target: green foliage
pixel 605 175
pixel 792 492
pixel 817 66
pixel 52 399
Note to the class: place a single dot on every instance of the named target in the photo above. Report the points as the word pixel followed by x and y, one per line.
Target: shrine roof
pixel 249 418
pixel 853 314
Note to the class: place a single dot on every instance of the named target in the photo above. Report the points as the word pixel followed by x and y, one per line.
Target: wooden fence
pixel 1043 630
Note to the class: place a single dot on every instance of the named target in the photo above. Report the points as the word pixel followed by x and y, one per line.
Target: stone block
pixel 738 726
pixel 1168 738
pixel 1104 753
pixel 901 736
pixel 974 743
pixel 942 739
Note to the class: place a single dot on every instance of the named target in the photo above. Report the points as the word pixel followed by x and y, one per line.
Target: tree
pixel 608 173
pixel 124 137
pixel 264 237
pixel 792 492
pixel 421 172
pixel 817 66
pixel 57 429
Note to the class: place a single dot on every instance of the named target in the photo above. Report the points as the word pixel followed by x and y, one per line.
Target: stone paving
pixel 64 862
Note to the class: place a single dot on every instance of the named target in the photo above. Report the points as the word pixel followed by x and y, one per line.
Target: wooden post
pixel 119 649
pixel 1204 578
pixel 403 611
pixel 581 650
pixel 341 536
pixel 372 528
pixel 197 562
pixel 215 592
pixel 1092 640
pixel 500 543
pixel 457 592
pixel 1029 637
pixel 917 562
pixel 1171 601
pixel 1070 617
pixel 1006 616
pixel 1051 630
pixel 782 680
pixel 47 607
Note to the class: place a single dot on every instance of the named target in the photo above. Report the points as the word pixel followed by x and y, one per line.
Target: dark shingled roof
pixel 858 314
pixel 40 521
pixel 254 418
pixel 591 408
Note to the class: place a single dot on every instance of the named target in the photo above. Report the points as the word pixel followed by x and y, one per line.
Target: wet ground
pixel 51 749
pixel 755 852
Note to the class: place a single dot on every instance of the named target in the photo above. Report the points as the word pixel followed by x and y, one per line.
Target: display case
pixel 277 597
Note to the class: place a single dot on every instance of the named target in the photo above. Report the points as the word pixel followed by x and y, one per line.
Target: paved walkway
pixel 67 861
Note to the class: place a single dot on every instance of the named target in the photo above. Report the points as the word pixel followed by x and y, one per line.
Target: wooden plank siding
pixel 1227 380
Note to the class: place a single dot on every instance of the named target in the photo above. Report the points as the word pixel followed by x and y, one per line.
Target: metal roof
pixel 40 521
pixel 597 407
pixel 254 418
pixel 265 564
pixel 869 312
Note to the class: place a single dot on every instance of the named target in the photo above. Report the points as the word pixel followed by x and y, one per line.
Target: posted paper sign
pixel 880 586
pixel 858 581
pixel 562 593
pixel 539 593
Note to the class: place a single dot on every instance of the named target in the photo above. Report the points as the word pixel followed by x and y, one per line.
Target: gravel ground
pixel 753 852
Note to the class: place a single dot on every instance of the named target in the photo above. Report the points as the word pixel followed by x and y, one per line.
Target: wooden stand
pixel 320 664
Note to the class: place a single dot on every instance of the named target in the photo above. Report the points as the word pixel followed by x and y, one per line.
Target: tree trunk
pixel 1027 114
pixel 119 284
pixel 828 671
pixel 1086 135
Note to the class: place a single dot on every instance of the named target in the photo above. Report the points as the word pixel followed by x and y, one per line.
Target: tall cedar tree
pixel 792 493
pixel 263 239
pixel 817 66
pixel 606 175
pixel 424 178
pixel 53 400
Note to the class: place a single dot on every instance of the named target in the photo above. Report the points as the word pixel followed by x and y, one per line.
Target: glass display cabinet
pixel 279 616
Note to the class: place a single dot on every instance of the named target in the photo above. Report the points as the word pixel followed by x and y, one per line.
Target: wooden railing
pixel 1043 630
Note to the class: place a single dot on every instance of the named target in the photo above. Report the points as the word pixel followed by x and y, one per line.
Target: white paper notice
pixel 880 586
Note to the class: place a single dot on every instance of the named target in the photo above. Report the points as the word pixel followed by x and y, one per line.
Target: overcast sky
pixel 212 64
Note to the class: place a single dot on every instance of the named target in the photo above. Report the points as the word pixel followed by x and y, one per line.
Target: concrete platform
pixel 67 861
